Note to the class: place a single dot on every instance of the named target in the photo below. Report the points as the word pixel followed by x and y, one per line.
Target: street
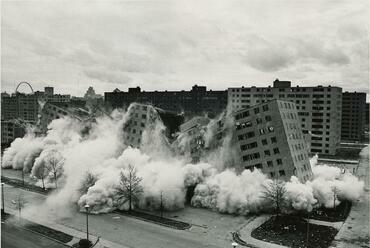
pixel 131 232
pixel 15 237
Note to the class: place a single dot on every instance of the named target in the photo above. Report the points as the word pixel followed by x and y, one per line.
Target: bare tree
pixel 335 195
pixel 275 192
pixel 40 173
pixel 88 181
pixel 54 165
pixel 20 203
pixel 161 205
pixel 129 188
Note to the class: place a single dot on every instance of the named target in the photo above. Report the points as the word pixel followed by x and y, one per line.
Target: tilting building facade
pixel 142 117
pixel 319 110
pixel 270 138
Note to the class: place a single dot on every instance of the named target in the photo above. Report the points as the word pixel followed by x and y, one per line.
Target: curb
pixel 43 235
pixel 153 221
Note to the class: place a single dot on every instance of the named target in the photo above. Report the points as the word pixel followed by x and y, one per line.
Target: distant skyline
pixel 172 45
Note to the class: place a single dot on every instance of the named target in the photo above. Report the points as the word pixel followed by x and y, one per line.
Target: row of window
pixel 257 155
pixel 291 89
pixel 291 116
pixel 315 150
pixel 247 124
pixel 273 174
pixel 248 146
pixel 295 136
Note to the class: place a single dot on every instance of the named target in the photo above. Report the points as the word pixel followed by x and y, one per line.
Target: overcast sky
pixel 175 44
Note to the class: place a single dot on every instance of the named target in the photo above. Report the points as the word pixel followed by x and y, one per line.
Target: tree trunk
pixel 55 179
pixel 130 194
pixel 43 184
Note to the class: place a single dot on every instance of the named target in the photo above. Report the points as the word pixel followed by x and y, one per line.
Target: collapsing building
pixel 267 137
pixel 270 138
pixel 143 117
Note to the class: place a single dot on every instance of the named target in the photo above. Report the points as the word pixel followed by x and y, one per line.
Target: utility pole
pixel 161 206
pixel 23 177
pixel 2 198
pixel 308 228
pixel 87 221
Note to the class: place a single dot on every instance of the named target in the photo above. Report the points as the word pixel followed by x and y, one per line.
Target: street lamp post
pixel 2 198
pixel 87 221
pixel 22 177
pixel 234 244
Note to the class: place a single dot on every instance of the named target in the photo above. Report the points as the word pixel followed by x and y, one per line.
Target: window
pixel 281 172
pixel 276 150
pixel 248 146
pixel 256 110
pixel 143 116
pixel 272 174
pixel 264 142
pixel 265 108
pixel 259 120
pixel 267 153
pixel 250 134
pixel 251 156
pixel 258 166
pixel 273 140
pixel 268 118
pixel 279 161
pixel 243 125
pixel 262 131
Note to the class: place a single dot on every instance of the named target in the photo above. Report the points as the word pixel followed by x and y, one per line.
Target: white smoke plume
pixel 98 148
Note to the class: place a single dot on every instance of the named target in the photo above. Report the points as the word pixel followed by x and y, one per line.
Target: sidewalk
pixel 355 231
pixel 245 234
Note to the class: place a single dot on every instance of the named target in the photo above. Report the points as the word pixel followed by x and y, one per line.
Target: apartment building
pixel 198 100
pixel 270 138
pixel 143 116
pixel 56 110
pixel 353 116
pixel 319 109
pixel 190 141
pixel 10 130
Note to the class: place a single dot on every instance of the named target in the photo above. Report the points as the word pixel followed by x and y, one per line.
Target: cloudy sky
pixel 175 44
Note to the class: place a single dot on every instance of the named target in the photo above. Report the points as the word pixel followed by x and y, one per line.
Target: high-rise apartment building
pixel 21 106
pixel 196 101
pixel 353 116
pixel 270 138
pixel 319 109
pixel 143 117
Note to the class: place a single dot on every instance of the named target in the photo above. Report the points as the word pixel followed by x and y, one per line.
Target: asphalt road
pixel 15 237
pixel 126 231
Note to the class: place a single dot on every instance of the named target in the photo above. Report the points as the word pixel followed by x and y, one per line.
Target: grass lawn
pixel 339 213
pixel 156 219
pixel 291 231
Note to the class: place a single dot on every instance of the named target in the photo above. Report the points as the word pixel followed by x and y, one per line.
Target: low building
pixel 270 138
pixel 197 101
